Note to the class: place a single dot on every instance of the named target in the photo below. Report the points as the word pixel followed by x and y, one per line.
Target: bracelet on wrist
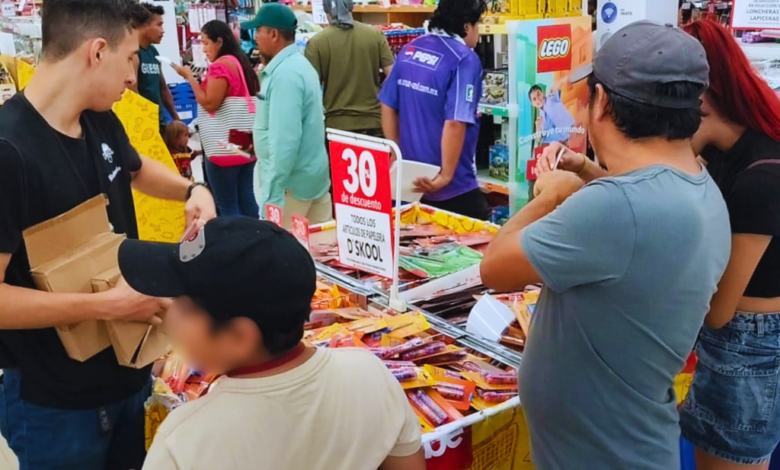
pixel 192 188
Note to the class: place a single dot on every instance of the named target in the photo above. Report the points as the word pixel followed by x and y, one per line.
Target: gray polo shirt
pixel 630 264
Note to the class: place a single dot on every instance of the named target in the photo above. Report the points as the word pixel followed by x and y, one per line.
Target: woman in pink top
pixel 232 185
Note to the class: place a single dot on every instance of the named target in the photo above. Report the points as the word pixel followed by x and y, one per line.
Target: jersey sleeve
pixel 464 91
pixel 132 161
pixel 13 193
pixel 754 203
pixel 588 239
pixel 388 96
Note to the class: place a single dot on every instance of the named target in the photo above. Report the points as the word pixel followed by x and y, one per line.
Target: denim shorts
pixel 732 409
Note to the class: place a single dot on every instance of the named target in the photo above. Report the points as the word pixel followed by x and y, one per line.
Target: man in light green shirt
pixel 289 129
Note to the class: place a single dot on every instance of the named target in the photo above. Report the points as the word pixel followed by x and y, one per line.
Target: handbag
pixel 236 114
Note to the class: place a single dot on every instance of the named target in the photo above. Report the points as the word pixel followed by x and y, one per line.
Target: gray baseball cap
pixel 644 54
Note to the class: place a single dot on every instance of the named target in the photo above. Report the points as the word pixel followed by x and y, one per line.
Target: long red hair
pixel 736 90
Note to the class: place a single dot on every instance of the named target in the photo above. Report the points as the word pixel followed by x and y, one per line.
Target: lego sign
pixel 554 48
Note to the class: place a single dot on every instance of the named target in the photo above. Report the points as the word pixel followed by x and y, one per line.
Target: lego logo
pixel 554 48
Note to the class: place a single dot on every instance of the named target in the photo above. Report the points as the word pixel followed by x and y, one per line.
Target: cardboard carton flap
pixel 101 243
pixel 64 233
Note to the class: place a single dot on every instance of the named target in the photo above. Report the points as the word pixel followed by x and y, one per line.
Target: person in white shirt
pixel 243 291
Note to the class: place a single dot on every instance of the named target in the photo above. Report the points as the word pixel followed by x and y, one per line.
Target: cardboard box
pixel 136 344
pixel 65 253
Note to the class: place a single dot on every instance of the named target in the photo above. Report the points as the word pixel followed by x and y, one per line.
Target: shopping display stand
pixel 365 157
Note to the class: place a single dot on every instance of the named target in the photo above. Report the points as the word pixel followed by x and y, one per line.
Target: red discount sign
pixel 362 198
pixel 300 229
pixel 273 214
pixel 452 452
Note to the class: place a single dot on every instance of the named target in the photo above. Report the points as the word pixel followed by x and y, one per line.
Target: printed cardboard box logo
pixel 554 48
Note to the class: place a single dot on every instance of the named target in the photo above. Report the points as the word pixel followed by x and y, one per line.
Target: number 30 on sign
pixel 361 193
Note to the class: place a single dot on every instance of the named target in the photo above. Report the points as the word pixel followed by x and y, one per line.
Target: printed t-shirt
pixel 436 78
pixel 753 199
pixel 341 409
pixel 149 76
pixel 348 62
pixel 629 264
pixel 44 174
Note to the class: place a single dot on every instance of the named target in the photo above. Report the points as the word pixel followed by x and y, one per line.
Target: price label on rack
pixel 273 214
pixel 361 193
pixel 300 229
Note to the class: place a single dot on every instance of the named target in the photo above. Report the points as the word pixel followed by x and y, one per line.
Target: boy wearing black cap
pixel 243 290
pixel 630 262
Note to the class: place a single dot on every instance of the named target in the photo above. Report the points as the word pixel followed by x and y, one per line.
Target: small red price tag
pixel 273 214
pixel 300 229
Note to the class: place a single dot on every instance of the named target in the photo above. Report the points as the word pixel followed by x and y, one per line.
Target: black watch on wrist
pixel 192 188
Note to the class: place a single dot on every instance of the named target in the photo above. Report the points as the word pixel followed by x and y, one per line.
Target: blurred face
pixel 268 41
pixel 183 140
pixel 472 35
pixel 211 48
pixel 710 124
pixel 110 70
pixel 537 99
pixel 191 331
pixel 154 32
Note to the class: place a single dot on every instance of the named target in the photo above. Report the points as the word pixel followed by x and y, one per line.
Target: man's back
pixel 340 410
pixel 630 264
pixel 348 62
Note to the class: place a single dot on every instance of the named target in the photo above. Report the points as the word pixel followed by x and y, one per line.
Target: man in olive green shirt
pixel 348 56
pixel 289 131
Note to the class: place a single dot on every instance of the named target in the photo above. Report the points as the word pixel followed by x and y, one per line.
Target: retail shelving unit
pixel 410 15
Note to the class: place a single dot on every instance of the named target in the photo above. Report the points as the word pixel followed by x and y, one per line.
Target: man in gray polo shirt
pixel 629 262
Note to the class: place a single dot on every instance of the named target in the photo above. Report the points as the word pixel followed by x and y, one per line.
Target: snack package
pixel 157 408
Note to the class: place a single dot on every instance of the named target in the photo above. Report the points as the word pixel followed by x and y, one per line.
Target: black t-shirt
pixel 752 193
pixel 43 174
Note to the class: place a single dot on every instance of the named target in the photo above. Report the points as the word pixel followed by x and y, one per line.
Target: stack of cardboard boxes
pixel 77 252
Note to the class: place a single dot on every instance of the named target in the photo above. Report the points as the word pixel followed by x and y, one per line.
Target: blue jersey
pixel 436 78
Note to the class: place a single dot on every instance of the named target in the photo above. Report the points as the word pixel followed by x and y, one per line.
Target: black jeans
pixel 471 204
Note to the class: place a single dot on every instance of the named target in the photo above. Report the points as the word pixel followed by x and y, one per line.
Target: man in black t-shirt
pixel 60 145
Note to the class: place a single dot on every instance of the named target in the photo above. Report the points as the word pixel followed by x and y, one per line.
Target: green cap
pixel 273 15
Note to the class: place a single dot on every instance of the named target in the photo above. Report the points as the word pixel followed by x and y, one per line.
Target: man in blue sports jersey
pixel 429 106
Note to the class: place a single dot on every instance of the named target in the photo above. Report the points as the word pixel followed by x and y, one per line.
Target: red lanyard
pixel 289 357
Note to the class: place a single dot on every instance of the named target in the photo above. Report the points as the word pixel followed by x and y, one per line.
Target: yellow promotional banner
pixel 501 442
pixel 158 220
pixel 24 72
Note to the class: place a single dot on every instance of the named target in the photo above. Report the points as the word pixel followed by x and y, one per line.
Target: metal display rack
pixel 493 350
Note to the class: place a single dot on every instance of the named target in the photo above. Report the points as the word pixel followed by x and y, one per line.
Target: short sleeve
pixel 132 160
pixel 409 438
pixel 588 239
pixel 312 54
pixel 159 457
pixel 754 203
pixel 388 96
pixel 464 91
pixel 386 57
pixel 12 196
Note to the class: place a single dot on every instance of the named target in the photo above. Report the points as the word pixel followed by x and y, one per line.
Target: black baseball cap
pixel 644 54
pixel 235 267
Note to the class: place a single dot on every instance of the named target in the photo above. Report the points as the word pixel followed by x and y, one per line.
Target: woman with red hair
pixel 732 413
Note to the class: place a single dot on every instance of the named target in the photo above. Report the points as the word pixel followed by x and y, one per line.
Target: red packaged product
pixel 403 375
pixel 451 391
pixel 494 396
pixel 496 379
pixel 432 412
pixel 428 350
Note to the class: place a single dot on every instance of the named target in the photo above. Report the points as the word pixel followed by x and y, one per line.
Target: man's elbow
pixel 495 276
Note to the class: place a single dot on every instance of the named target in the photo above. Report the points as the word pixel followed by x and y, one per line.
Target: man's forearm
pixel 31 309
pixel 157 180
pixel 169 104
pixel 390 123
pixel 452 140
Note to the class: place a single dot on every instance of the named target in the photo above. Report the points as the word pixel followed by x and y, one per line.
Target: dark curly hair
pixel 452 16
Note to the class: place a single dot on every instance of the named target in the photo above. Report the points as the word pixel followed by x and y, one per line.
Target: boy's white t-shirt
pixel 340 410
